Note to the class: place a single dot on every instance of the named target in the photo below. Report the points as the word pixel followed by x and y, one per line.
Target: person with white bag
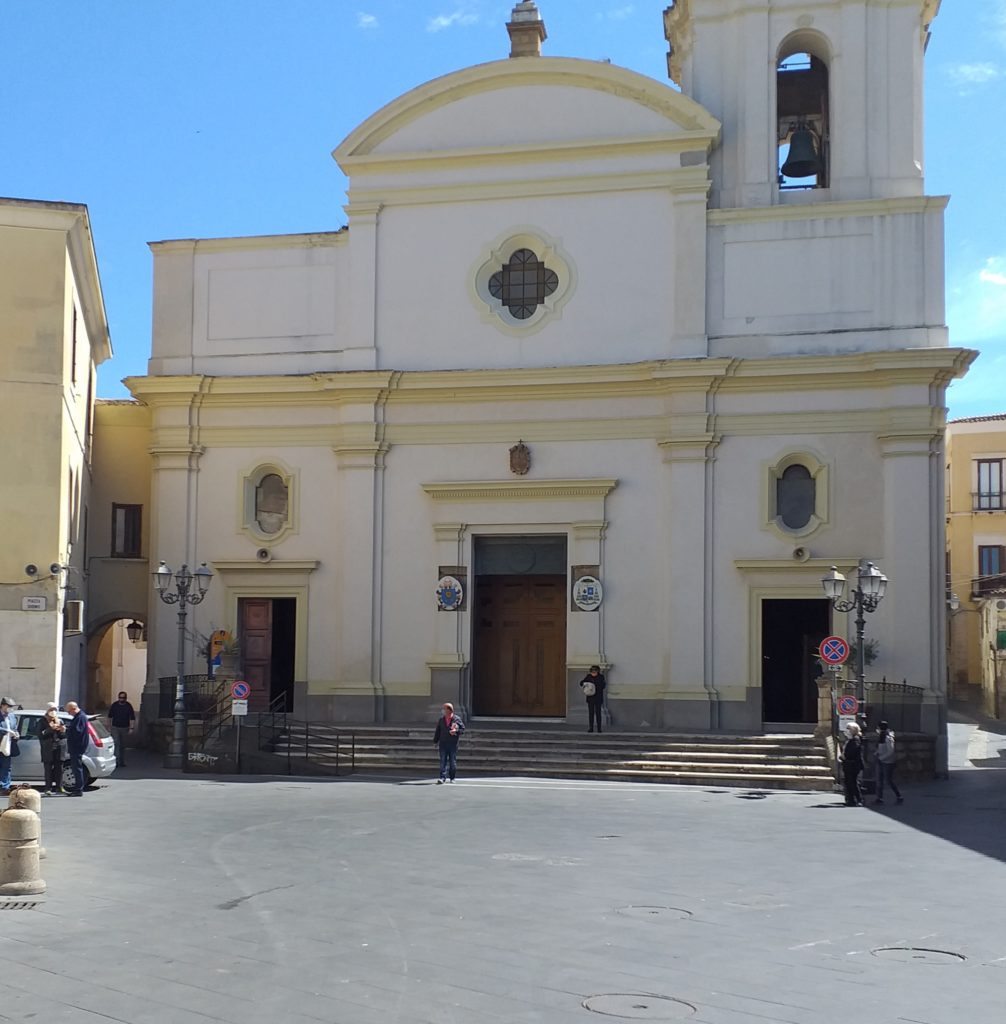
pixel 8 743
pixel 592 685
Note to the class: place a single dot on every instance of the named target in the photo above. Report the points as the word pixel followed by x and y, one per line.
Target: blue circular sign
pixel 240 689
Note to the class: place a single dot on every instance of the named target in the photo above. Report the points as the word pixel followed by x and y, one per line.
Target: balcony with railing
pixel 984 586
pixel 988 501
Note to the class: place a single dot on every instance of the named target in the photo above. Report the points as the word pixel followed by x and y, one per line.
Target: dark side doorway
pixel 268 637
pixel 791 632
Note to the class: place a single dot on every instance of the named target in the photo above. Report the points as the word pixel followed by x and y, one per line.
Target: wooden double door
pixel 519 657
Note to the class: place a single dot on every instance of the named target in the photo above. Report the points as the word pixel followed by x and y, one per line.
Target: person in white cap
pixel 852 765
pixel 52 747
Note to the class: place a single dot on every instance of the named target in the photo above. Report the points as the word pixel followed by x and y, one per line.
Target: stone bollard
pixel 24 798
pixel 19 831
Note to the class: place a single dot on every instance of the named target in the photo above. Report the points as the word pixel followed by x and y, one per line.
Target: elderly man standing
pixel 76 743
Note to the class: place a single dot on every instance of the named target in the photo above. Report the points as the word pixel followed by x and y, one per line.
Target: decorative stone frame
pixel 549 251
pixel 247 485
pixel 772 473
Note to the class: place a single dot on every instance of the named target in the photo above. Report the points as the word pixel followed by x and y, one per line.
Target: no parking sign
pixel 834 650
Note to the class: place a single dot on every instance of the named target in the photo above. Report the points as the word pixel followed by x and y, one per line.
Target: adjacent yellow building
pixel 53 335
pixel 976 560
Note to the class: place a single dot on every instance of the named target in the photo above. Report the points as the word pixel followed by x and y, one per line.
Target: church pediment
pixel 524 107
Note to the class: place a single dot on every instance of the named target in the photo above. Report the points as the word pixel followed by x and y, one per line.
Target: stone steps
pixel 784 761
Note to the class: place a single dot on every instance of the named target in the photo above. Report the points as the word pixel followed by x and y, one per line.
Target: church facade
pixel 600 372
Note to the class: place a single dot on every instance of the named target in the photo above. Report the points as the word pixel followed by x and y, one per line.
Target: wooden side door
pixel 520 646
pixel 256 649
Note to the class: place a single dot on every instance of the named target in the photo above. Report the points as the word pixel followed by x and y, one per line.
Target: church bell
pixel 803 159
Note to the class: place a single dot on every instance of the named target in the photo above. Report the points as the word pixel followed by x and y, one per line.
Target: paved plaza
pixel 188 900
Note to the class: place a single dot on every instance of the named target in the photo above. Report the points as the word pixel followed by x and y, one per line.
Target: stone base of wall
pixel 916 755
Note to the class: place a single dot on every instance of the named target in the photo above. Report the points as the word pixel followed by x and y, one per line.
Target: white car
pixel 99 758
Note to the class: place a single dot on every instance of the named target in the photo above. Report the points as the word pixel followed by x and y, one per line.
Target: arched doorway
pixel 116 662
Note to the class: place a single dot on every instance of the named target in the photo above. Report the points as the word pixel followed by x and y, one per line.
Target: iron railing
pixel 200 696
pixel 898 704
pixel 275 734
pixel 988 501
pixel 981 586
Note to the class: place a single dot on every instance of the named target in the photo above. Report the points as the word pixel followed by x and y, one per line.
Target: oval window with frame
pixel 795 497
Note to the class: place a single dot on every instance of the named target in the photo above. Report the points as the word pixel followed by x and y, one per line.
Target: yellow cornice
pixel 858 369
pixel 503 74
pixel 816 565
pixel 606 148
pixel 679 180
pixel 272 567
pixel 519 490
pixel 818 211
pixel 638 380
pixel 309 240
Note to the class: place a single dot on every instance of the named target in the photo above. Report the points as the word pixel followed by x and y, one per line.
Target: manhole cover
pixel 654 913
pixel 913 955
pixel 759 901
pixel 639 1006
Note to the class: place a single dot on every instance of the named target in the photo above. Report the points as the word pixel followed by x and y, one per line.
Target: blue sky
pixel 202 118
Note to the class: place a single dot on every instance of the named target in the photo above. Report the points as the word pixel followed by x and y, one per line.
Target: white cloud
pixel 976 304
pixel 616 13
pixel 974 74
pixel 364 20
pixel 994 271
pixel 461 16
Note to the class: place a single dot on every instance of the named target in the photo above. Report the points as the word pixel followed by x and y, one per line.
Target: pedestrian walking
pixel 447 736
pixel 121 716
pixel 8 743
pixel 52 744
pixel 593 685
pixel 77 740
pixel 887 758
pixel 852 765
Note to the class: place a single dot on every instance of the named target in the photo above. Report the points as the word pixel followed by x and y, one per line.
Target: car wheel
pixel 89 779
pixel 66 779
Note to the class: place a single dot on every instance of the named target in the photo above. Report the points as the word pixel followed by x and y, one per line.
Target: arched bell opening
pixel 802 117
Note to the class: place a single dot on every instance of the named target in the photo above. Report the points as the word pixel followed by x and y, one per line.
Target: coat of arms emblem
pixel 520 459
pixel 450 594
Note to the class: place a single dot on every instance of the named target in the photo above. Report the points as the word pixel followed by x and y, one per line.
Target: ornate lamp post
pixel 183 595
pixel 871 585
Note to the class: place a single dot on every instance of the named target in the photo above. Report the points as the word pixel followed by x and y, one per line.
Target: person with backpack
pixel 887 758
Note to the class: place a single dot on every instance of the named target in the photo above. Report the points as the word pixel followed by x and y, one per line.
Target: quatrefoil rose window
pixel 522 282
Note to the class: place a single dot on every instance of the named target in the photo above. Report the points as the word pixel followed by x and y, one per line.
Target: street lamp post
pixel 183 595
pixel 871 585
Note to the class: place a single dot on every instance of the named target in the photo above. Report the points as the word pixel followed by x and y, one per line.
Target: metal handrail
pixel 273 714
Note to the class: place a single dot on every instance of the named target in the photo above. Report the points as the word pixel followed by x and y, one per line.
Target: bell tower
pixel 819 99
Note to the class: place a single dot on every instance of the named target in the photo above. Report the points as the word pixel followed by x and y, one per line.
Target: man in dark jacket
pixel 448 735
pixel 121 716
pixel 77 739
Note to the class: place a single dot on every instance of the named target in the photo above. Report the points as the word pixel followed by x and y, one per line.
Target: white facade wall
pixel 705 329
